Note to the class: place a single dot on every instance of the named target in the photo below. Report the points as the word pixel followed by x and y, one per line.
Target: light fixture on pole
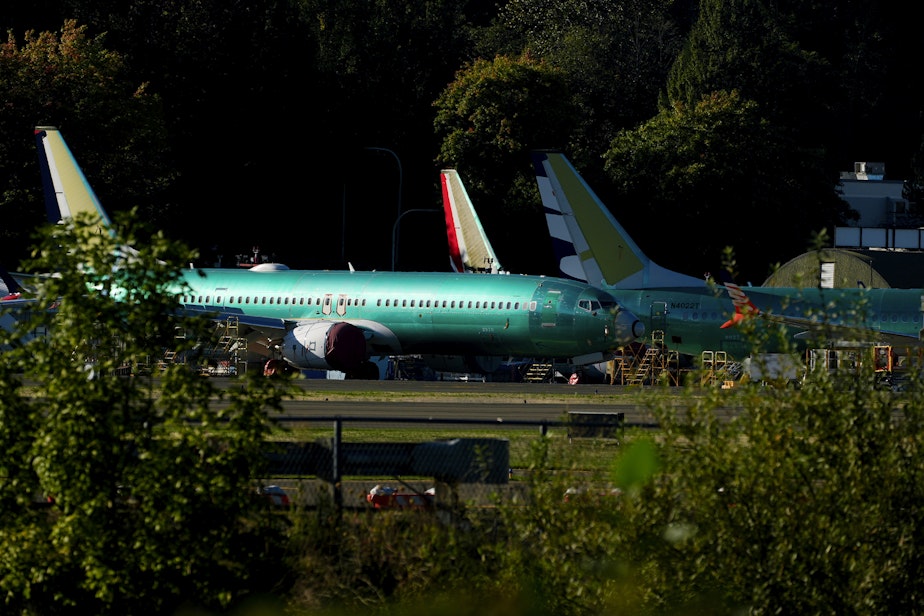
pixel 400 190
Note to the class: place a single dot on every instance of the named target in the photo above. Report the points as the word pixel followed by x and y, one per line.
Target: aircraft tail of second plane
pixel 589 242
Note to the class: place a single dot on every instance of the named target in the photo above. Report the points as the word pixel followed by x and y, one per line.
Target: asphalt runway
pixel 443 401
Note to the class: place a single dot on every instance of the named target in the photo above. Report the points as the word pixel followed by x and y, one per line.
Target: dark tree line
pixel 283 124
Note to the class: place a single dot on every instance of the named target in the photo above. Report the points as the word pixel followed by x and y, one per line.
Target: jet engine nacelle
pixel 325 345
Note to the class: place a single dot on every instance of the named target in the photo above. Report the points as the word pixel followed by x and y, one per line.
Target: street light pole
pixel 400 191
pixel 394 232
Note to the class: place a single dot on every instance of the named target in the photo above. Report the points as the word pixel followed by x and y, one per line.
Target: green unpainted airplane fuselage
pixel 339 320
pixel 414 313
pixel 691 318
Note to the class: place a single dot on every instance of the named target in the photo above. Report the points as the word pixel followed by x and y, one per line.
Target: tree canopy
pixel 709 169
pixel 74 81
pixel 488 127
pixel 219 91
pixel 119 496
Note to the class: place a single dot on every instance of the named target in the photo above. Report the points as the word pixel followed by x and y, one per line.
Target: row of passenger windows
pixel 300 301
pixel 403 303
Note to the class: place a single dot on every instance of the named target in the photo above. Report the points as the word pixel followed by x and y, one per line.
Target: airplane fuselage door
pixel 550 308
pixel 341 304
pixel 658 316
pixel 326 305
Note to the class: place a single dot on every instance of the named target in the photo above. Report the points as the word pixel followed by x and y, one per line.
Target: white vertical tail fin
pixel 66 190
pixel 469 248
pixel 589 243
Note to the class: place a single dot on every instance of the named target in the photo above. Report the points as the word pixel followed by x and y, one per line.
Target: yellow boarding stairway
pixel 715 367
pixel 620 366
pixel 171 356
pixel 228 355
pixel 651 363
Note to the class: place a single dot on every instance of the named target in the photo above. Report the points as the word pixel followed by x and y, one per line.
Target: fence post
pixel 337 480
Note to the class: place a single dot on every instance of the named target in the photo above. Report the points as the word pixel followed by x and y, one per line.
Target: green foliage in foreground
pixel 807 502
pixel 114 500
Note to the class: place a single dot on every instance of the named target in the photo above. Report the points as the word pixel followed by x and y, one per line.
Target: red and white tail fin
pixel 469 248
pixel 744 307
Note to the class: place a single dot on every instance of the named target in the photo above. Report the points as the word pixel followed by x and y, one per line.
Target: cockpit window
pixel 590 305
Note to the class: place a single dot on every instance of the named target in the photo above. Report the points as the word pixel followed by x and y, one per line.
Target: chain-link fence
pixel 420 463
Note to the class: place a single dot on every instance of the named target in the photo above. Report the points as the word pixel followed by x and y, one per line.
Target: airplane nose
pixel 628 327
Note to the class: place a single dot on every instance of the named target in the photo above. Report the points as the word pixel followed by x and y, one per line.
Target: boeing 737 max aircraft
pixel 340 319
pixel 593 247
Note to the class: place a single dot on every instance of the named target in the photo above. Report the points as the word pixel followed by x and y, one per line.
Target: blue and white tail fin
pixel 589 243
pixel 469 248
pixel 66 189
